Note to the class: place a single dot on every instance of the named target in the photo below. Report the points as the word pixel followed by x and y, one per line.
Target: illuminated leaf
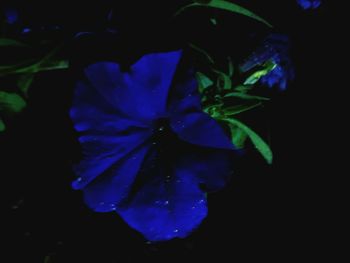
pixel 245 96
pixel 238 136
pixel 256 76
pixel 258 142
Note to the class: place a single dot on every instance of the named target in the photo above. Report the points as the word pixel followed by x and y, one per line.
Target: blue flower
pixel 150 153
pixel 276 77
pixel 11 15
pixel 309 4
pixel 275 48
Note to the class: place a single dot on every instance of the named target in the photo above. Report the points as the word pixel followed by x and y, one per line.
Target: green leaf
pixel 256 76
pixel 203 81
pixel 230 67
pixel 13 68
pixel 2 126
pixel 214 110
pixel 7 42
pixel 33 66
pixel 258 142
pixel 203 52
pixel 236 109
pixel 227 6
pixel 245 96
pixel 24 81
pixel 11 102
pixel 224 81
pixel 238 136
pixel 243 88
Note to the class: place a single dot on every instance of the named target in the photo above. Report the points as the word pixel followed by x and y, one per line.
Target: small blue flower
pixel 275 48
pixel 309 4
pixel 275 78
pixel 11 15
pixel 149 150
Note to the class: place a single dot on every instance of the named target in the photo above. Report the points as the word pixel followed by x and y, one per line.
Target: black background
pixel 266 212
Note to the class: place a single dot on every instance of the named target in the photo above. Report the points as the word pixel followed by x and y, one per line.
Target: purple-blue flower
pixel 11 15
pixel 275 48
pixel 309 4
pixel 150 153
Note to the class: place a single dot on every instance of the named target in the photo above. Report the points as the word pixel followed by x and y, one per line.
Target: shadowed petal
pixel 184 96
pixel 200 129
pixel 91 113
pixel 105 135
pixel 140 93
pixel 105 193
pixel 101 153
pixel 212 167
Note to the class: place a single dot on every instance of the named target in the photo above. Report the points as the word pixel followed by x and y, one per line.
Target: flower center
pixel 164 138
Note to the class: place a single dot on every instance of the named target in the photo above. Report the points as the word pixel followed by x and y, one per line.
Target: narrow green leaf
pixel 243 88
pixel 230 67
pixel 203 52
pixel 11 102
pixel 24 81
pixel 227 6
pixel 245 96
pixel 258 142
pixel 214 110
pixel 203 81
pixel 237 109
pixel 2 126
pixel 46 63
pixel 7 69
pixel 224 81
pixel 238 136
pixel 256 76
pixel 7 42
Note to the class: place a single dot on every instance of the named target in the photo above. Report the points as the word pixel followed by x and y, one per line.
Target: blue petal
pixel 11 15
pixel 200 129
pixel 307 4
pixel 184 96
pixel 107 191
pixel 163 209
pixel 140 93
pixel 106 136
pixel 212 167
pixel 91 112
pixel 101 153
